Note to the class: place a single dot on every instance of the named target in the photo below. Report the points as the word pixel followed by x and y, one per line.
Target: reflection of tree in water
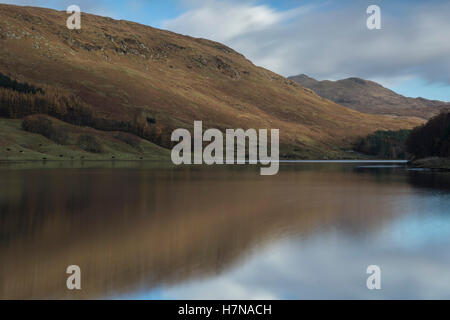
pixel 25 209
pixel 132 228
pixel 424 179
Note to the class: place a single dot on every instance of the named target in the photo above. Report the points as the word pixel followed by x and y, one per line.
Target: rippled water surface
pixel 142 231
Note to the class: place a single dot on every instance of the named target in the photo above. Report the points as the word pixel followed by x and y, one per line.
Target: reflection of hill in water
pixel 417 178
pixel 130 229
pixel 430 180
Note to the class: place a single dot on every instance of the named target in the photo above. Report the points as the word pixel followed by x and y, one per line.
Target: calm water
pixel 139 231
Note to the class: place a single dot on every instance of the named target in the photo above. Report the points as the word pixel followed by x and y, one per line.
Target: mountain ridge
pixel 371 97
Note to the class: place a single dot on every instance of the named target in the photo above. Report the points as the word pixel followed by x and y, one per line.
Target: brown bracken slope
pixel 125 70
pixel 371 97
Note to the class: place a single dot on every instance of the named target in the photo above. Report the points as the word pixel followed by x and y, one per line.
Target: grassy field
pixel 19 145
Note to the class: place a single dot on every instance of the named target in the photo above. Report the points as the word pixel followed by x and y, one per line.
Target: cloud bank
pixel 328 41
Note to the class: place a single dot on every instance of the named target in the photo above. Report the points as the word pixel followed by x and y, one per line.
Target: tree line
pixel 16 104
pixel 431 139
pixel 384 144
pixel 8 83
pixel 18 100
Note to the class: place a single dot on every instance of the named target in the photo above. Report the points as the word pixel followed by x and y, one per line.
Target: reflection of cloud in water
pixel 412 251
pixel 326 267
pixel 426 224
pixel 231 233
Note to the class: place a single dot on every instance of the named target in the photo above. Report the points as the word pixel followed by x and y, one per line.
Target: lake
pixel 146 231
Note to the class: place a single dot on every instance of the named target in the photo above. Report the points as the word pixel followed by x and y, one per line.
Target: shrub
pixel 89 144
pixel 44 126
pixel 129 139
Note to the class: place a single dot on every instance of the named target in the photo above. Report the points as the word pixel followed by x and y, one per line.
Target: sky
pixel 325 39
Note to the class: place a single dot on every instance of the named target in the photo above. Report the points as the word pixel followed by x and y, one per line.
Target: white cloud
pixel 225 20
pixel 327 41
pixel 329 266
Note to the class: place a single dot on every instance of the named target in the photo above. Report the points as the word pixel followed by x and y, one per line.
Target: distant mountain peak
pixel 304 79
pixel 357 80
pixel 304 76
pixel 371 97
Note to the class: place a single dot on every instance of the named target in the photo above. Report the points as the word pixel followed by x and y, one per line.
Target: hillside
pixel 148 82
pixel 370 97
pixel 18 145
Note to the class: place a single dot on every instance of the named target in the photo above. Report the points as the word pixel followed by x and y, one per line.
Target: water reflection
pixel 185 232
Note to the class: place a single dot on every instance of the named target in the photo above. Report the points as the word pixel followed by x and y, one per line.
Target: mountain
pixel 130 77
pixel 371 97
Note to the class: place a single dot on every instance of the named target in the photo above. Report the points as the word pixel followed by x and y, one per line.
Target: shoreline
pixel 433 163
pixel 163 161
